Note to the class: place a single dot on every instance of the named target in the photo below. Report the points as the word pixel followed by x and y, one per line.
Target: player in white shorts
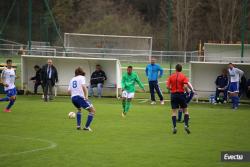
pixel 128 88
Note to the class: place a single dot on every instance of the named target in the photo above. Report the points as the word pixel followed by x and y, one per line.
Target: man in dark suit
pixel 36 78
pixel 49 78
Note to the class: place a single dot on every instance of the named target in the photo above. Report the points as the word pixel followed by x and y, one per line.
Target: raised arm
pixel 240 72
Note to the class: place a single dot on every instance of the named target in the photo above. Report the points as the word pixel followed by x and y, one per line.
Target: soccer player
pixel 153 72
pixel 188 96
pixel 235 75
pixel 8 78
pixel 128 88
pixel 79 96
pixel 178 84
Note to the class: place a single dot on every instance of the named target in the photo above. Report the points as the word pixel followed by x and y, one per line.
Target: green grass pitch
pixel 40 134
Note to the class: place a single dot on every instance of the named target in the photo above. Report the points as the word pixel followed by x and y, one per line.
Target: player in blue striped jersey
pixel 235 75
pixel 79 96
pixel 8 78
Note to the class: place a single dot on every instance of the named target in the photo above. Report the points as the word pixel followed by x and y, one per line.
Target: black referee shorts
pixel 178 100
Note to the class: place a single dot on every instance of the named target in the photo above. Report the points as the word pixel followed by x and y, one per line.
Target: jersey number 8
pixel 74 84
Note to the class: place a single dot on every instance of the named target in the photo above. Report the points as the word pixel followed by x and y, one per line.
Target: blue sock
pixel 89 120
pixel 11 103
pixel 5 99
pixel 179 114
pixel 186 118
pixel 233 101
pixel 174 121
pixel 78 118
pixel 237 99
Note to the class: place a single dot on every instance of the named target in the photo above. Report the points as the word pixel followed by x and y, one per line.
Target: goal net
pixel 66 67
pixel 226 53
pixel 41 48
pixel 107 44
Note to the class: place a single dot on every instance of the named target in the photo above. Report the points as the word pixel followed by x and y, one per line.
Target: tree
pixel 100 17
pixel 224 19
pixel 184 10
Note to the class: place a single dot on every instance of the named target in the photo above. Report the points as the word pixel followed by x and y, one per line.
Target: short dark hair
pixel 79 71
pixel 36 66
pixel 98 65
pixel 130 67
pixel 8 61
pixel 178 67
pixel 232 64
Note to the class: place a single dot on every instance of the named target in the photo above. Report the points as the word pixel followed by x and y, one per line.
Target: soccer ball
pixel 72 115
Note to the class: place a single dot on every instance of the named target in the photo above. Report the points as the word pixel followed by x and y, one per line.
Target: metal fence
pixel 124 55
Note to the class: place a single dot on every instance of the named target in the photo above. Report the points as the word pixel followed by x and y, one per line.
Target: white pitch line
pixel 51 146
pixel 148 84
pixel 144 101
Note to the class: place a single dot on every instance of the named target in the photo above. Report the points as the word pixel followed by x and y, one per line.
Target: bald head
pixel 49 62
pixel 153 60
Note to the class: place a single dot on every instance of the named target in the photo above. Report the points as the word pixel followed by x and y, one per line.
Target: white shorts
pixel 128 95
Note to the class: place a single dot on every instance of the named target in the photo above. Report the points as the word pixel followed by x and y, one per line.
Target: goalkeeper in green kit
pixel 128 88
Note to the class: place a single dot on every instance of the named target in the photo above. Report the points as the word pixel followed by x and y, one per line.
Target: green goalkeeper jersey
pixel 128 82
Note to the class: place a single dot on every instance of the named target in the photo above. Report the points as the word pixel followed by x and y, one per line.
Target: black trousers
pixel 248 93
pixel 218 92
pixel 48 88
pixel 153 85
pixel 36 86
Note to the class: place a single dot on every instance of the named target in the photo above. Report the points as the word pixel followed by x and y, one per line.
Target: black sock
pixel 186 118
pixel 174 121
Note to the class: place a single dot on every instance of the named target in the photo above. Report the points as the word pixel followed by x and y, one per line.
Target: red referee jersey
pixel 176 82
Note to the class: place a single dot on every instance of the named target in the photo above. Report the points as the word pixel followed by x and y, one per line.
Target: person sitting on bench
pixel 221 86
pixel 97 80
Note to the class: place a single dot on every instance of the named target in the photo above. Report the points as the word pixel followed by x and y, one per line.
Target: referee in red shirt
pixel 177 83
